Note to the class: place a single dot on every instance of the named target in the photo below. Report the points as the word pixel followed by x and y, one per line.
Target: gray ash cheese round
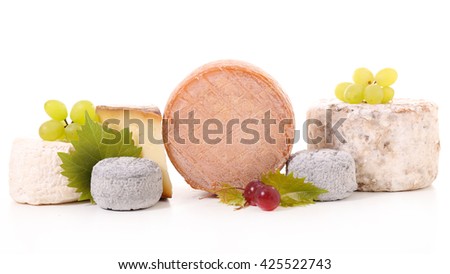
pixel 126 183
pixel 328 169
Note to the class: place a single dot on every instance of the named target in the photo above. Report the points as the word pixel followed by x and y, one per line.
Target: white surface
pixel 35 173
pixel 136 52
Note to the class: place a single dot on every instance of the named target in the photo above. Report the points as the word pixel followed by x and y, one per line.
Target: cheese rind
pixel 395 146
pixel 126 183
pixel 152 146
pixel 35 173
pixel 237 100
pixel 329 169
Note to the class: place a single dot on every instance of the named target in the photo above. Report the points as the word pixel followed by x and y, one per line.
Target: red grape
pixel 267 198
pixel 250 190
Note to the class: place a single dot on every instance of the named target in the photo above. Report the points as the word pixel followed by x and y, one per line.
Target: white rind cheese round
pixel 395 146
pixel 35 173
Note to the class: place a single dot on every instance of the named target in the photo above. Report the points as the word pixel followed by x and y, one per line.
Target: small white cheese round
pixel 126 183
pixel 35 173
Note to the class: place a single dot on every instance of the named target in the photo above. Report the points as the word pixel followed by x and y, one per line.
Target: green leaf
pixel 293 191
pixel 231 196
pixel 77 165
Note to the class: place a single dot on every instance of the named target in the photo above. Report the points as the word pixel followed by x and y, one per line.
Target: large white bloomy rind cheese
pixel 35 173
pixel 139 119
pixel 395 146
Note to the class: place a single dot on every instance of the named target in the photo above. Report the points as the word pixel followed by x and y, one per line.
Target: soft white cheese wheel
pixel 395 146
pixel 35 173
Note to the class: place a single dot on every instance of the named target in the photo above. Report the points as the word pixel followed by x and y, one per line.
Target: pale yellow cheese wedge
pixel 139 119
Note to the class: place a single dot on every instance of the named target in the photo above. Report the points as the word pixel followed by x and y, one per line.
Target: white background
pixel 137 52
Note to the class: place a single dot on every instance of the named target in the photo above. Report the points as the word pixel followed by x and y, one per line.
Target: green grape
pixel 78 112
pixel 386 77
pixel 340 89
pixel 373 94
pixel 363 76
pixel 354 94
pixel 56 110
pixel 388 94
pixel 72 131
pixel 51 130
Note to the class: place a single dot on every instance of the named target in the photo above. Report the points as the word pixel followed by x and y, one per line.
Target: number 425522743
pixel 296 264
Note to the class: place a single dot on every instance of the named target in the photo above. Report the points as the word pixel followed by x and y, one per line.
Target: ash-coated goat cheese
pixel 126 183
pixel 328 169
pixel 146 125
pixel 35 173
pixel 395 146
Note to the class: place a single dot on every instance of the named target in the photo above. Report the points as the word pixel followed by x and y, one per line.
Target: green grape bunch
pixel 367 88
pixel 58 128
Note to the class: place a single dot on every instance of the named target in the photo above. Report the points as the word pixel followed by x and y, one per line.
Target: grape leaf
pixel 91 148
pixel 229 195
pixel 293 191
